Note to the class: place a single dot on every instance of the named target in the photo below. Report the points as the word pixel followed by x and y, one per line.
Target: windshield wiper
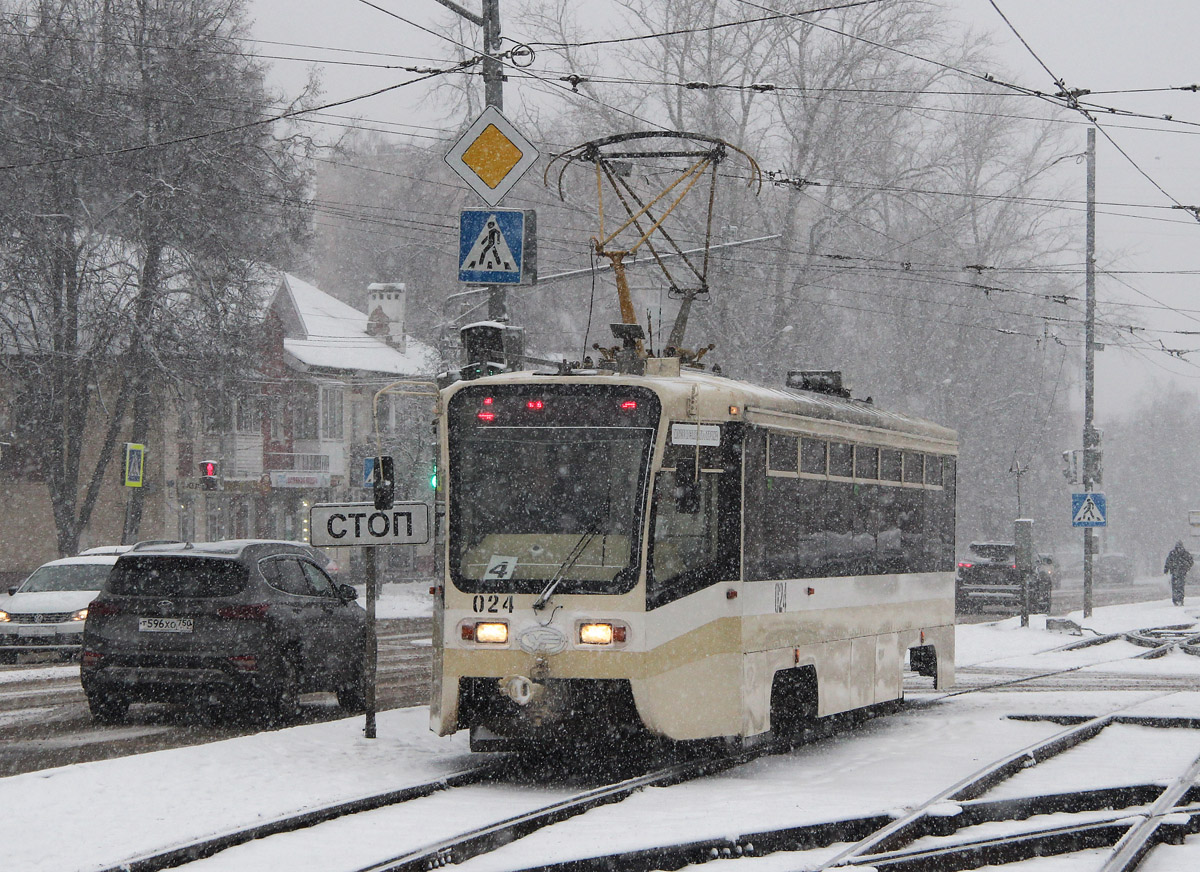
pixel 572 558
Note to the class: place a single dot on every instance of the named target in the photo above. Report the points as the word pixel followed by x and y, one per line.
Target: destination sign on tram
pixel 338 524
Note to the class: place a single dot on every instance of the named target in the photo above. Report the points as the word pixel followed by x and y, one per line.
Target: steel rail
pixel 458 849
pixel 902 828
pixel 207 847
pixel 1143 836
pixel 822 834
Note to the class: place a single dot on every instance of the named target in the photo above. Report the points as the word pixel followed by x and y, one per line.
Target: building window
pixel 305 414
pixel 215 516
pixel 217 417
pixel 331 413
pixel 187 519
pixel 249 414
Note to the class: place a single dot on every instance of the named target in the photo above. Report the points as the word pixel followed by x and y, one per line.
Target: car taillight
pixel 91 658
pixel 98 609
pixel 965 565
pixel 245 662
pixel 248 612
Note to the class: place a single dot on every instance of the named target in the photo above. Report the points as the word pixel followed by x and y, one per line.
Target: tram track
pixel 955 829
pixel 882 840
pixel 475 841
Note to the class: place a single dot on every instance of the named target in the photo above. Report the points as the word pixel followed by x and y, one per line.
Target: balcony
pixel 295 462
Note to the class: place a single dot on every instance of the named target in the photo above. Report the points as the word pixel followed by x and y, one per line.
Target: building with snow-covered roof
pixel 291 431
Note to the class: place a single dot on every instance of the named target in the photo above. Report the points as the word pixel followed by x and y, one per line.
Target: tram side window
pixel 889 464
pixel 812 456
pixel 866 462
pixel 781 452
pixel 805 528
pixel 696 529
pixel 933 470
pixel 841 459
pixel 683 540
pixel 914 467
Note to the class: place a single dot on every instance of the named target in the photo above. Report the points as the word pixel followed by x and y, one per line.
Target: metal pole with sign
pixel 371 654
pixel 342 524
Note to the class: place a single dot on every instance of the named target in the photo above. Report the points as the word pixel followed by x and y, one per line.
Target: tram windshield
pixel 546 483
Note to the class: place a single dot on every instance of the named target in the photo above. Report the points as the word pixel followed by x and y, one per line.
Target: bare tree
pixel 144 183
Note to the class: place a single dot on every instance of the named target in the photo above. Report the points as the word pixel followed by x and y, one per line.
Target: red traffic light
pixel 209 474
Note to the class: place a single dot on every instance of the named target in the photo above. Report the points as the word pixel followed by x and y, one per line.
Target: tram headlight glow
pixel 495 632
pixel 600 634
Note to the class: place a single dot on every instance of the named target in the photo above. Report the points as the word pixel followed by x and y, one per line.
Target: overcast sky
pixel 1100 45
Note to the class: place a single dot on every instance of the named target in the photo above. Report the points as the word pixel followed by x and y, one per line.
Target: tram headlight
pixel 487 632
pixel 600 634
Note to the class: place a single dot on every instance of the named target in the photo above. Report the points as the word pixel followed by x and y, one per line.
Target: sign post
pixel 372 644
pixel 341 524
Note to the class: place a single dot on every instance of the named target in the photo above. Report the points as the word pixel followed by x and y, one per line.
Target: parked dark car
pixel 989 581
pixel 232 622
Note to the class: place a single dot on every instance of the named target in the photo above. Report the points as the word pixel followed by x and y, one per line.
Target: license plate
pixel 165 625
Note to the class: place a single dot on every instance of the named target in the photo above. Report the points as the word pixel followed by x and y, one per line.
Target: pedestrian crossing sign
pixel 497 246
pixel 1089 510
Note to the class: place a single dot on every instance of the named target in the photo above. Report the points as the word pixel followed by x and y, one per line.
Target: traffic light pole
pixel 1090 436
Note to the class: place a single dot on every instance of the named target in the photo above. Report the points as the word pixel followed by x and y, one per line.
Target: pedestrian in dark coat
pixel 1179 561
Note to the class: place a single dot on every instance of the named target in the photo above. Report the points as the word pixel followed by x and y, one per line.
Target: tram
pixel 682 555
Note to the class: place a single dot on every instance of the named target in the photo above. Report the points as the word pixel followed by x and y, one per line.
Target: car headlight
pixel 4 618
pixel 80 615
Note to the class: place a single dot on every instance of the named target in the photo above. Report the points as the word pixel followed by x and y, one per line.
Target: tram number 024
pixel 491 604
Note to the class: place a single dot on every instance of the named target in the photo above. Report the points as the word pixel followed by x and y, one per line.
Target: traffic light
pixel 384 480
pixel 480 369
pixel 210 474
pixel 433 476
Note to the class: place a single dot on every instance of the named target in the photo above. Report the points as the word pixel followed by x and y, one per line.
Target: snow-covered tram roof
pixel 772 407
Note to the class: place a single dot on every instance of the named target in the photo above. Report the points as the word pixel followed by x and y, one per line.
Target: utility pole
pixel 493 95
pixel 1091 438
pixel 1018 470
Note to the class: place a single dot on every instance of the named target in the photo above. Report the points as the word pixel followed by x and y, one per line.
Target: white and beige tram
pixel 683 555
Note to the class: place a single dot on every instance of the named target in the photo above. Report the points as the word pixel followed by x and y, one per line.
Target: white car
pixel 46 612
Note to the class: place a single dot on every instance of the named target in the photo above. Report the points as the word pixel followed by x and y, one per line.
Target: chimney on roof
pixel 385 312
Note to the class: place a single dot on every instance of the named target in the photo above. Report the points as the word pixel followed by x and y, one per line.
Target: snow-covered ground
pixel 94 815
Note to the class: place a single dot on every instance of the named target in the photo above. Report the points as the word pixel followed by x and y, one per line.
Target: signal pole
pixel 493 95
pixel 1090 436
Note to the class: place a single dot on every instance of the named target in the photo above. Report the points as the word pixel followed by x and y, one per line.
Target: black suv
pixel 239 621
pixel 989 581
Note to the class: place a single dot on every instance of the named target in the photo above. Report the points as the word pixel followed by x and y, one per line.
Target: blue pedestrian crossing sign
pixel 497 246
pixel 368 479
pixel 1089 510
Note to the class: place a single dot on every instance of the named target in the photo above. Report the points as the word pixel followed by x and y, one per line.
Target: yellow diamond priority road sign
pixel 492 156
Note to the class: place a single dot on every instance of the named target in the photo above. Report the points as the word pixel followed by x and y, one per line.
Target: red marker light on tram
pixel 629 405
pixel 487 417
pixel 535 405
pixel 487 401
